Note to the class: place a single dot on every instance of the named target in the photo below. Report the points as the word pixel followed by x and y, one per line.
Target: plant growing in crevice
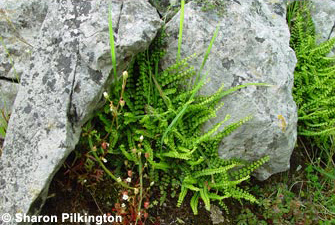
pixel 152 125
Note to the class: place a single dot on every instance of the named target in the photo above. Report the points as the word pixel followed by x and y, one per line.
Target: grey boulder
pixel 252 46
pixel 20 22
pixel 68 71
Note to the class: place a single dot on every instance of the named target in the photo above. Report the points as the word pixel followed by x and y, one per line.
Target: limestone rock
pixel 68 71
pixel 20 22
pixel 323 16
pixel 252 46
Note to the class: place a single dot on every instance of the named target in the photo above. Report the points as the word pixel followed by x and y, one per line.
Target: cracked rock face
pixel 61 86
pixel 252 46
pixel 20 22
pixel 323 17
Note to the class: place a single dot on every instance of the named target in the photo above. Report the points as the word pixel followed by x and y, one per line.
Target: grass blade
pixel 180 37
pixel 111 41
pixel 207 52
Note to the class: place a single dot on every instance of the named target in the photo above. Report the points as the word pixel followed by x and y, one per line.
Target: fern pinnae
pixel 324 47
pixel 230 128
pixel 191 187
pixel 207 172
pixel 194 203
pixel 128 155
pixel 328 132
pixel 239 193
pixel 160 165
pixel 207 135
pixel 229 183
pixel 215 196
pixel 204 195
pixel 194 163
pixel 182 195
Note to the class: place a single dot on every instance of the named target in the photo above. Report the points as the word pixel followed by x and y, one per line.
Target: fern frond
pixel 239 193
pixel 324 47
pixel 128 155
pixel 226 184
pixel 194 163
pixel 205 197
pixel 194 203
pixel 182 195
pixel 207 172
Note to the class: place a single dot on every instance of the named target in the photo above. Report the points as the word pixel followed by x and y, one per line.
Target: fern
pixel 159 125
pixel 182 195
pixel 194 203
pixel 314 77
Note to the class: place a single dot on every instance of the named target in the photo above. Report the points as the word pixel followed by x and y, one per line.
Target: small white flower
pixel 119 179
pixel 128 179
pixel 85 181
pixel 125 197
pixel 136 191
pixel 104 160
pixel 152 183
pixel 141 138
pixel 106 95
pixel 123 205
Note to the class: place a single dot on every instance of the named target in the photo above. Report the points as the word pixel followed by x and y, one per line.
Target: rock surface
pixel 20 22
pixel 252 46
pixel 323 16
pixel 8 91
pixel 59 90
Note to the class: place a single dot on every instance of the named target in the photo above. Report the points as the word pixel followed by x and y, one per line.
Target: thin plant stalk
pixel 111 41
pixel 180 37
pixel 103 166
pixel 140 167
pixel 207 53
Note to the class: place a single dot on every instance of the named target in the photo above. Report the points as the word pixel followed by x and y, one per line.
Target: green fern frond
pixel 194 163
pixel 205 197
pixel 194 203
pixel 182 195
pixel 128 155
pixel 324 47
pixel 183 156
pixel 226 184
pixel 160 165
pixel 207 172
pixel 191 187
pixel 239 193
pixel 215 196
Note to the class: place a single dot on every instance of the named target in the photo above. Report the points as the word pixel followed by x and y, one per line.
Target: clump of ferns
pixel 152 124
pixel 314 77
pixel 155 121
